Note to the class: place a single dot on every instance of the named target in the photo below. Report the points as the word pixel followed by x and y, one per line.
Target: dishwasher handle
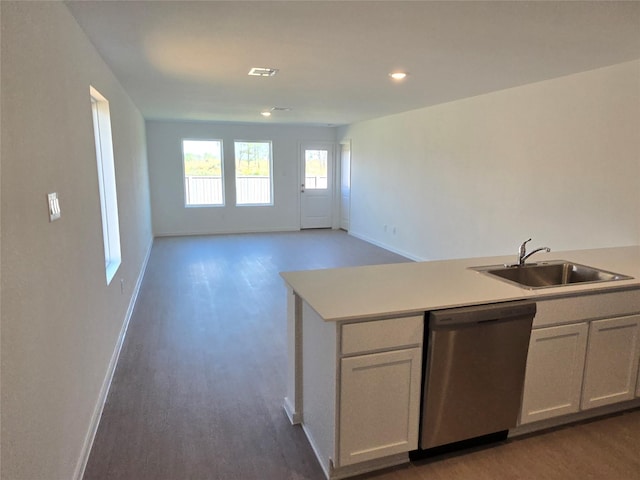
pixel 482 313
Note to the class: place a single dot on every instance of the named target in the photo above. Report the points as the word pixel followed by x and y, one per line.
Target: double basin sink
pixel 553 273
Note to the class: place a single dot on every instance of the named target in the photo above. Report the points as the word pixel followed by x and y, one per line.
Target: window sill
pixel 112 268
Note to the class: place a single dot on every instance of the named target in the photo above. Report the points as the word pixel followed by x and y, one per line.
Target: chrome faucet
pixel 523 255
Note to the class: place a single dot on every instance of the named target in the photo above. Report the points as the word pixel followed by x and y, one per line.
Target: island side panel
pixel 293 398
pixel 319 384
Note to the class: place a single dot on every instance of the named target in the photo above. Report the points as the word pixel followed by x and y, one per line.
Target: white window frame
pixel 235 166
pixel 184 174
pixel 106 183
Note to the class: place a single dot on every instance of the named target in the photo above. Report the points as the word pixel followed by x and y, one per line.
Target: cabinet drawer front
pixel 381 334
pixel 586 307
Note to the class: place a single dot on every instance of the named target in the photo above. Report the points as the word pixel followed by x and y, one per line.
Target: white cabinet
pixel 379 405
pixel 578 366
pixel 584 353
pixel 611 369
pixel 553 378
pixel 379 399
pixel 360 390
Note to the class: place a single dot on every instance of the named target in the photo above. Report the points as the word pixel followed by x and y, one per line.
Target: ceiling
pixel 184 60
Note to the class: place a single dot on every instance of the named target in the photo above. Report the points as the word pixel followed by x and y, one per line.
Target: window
pixel 106 182
pixel 202 161
pixel 253 173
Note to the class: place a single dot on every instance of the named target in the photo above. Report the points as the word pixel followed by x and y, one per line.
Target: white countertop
pixel 406 288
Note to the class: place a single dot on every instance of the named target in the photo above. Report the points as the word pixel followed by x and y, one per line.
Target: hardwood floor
pixel 198 390
pixel 607 448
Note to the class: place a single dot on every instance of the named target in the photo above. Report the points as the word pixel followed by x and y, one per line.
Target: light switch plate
pixel 54 206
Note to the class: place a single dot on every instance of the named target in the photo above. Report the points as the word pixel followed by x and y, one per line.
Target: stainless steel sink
pixel 554 273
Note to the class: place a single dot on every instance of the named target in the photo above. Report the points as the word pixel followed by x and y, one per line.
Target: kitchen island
pixel 355 339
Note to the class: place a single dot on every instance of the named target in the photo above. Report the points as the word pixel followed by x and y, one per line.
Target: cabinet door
pixel 379 405
pixel 638 383
pixel 612 361
pixel 553 378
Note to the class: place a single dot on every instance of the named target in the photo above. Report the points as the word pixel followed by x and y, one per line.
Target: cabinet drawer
pixel 586 307
pixel 381 334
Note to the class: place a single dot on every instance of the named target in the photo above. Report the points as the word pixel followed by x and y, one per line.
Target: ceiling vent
pixel 263 72
pixel 281 109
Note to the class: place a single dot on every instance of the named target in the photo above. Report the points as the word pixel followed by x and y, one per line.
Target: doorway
pixel 345 185
pixel 316 197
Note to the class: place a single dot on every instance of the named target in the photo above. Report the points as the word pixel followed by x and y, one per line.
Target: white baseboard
pixel 106 384
pixel 387 247
pixel 325 467
pixel 294 417
pixel 228 232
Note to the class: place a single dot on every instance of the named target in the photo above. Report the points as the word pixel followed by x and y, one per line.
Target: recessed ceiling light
pixel 398 75
pixel 266 113
pixel 263 72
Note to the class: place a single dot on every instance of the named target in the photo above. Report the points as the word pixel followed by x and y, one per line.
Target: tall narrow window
pixel 253 173
pixel 106 182
pixel 202 160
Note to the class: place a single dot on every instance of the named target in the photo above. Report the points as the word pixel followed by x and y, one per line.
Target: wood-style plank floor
pixel 197 393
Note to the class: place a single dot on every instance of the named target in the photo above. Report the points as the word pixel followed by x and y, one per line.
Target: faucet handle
pixel 522 252
pixel 523 247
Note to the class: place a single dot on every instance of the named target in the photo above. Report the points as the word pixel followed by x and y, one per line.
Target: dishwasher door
pixel 475 367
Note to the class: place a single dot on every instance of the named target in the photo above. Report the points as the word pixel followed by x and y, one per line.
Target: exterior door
pixel 316 197
pixel 345 185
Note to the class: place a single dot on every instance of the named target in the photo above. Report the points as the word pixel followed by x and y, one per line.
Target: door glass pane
pixel 315 169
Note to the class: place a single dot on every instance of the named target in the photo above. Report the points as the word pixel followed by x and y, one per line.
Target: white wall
pixel 171 217
pixel 558 161
pixel 60 322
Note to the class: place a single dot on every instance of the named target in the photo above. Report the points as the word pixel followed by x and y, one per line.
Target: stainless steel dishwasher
pixel 475 365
